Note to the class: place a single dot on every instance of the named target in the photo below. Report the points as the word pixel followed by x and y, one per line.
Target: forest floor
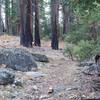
pixel 61 79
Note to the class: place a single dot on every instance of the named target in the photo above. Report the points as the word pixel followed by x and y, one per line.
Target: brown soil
pixel 62 80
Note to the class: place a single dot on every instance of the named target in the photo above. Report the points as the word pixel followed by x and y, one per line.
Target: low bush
pixel 81 51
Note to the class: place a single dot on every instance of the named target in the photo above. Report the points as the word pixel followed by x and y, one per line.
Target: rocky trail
pixel 59 78
pixel 62 80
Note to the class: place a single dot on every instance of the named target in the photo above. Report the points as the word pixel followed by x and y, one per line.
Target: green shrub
pixel 74 38
pixel 69 48
pixel 84 49
pixel 81 51
pixel 81 35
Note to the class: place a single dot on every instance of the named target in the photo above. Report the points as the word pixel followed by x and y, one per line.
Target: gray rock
pixel 96 85
pixel 44 97
pixel 90 70
pixel 95 98
pixel 98 70
pixel 40 58
pixel 59 88
pixel 17 59
pixel 18 83
pixel 6 77
pixel 86 63
pixel 35 74
pixel 92 98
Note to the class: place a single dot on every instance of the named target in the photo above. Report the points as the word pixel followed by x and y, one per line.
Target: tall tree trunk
pixel 37 41
pixel 22 22
pixel 18 15
pixel 55 23
pixel 29 26
pixel 65 19
pixel 0 18
pixel 14 16
pixel 7 16
pixel 26 37
pixel 2 27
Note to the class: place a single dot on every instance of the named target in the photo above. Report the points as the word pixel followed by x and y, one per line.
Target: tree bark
pixel 15 16
pixel 26 37
pixel 54 23
pixel 65 19
pixel 29 26
pixel 37 41
pixel 7 16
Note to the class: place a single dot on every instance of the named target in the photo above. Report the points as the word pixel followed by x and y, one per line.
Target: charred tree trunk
pixel 26 37
pixel 54 23
pixel 37 24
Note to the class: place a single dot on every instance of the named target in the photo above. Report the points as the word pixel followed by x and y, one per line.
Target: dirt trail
pixel 62 75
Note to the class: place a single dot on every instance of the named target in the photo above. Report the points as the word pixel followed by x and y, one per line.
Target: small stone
pixel 61 94
pixel 18 83
pixel 73 97
pixel 42 97
pixel 50 90
pixel 35 87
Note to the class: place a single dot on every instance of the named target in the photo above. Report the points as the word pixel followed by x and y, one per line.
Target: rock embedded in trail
pixel 96 84
pixel 6 77
pixel 92 96
pixel 86 63
pixel 50 90
pixel 35 74
pixel 89 70
pixel 40 58
pixel 92 69
pixel 17 59
pixel 18 83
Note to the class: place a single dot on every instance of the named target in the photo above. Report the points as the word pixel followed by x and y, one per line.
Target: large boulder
pixel 17 59
pixel 6 77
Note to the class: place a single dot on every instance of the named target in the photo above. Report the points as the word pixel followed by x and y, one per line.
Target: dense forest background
pixel 77 22
pixel 49 49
